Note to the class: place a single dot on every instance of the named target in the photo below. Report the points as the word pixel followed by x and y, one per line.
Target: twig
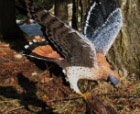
pixel 5 77
pixel 9 101
pixel 65 99
pixel 20 107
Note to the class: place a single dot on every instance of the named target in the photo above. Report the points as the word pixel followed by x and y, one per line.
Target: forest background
pixel 123 56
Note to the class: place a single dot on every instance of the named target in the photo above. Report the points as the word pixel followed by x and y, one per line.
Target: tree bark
pixel 125 54
pixel 61 9
pixel 8 28
pixel 79 8
pixel 74 15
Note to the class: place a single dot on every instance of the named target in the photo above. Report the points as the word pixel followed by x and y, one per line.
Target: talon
pixel 85 95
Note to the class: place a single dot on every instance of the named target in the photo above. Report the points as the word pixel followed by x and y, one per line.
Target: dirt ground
pixel 29 86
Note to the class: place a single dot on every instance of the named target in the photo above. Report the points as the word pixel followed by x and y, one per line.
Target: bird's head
pixel 106 72
pixel 114 78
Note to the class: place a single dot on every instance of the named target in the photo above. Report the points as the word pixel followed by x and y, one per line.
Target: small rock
pixel 46 80
pixel 34 74
pixel 18 56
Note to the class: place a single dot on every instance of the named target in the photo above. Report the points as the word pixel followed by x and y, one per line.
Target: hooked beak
pixel 113 80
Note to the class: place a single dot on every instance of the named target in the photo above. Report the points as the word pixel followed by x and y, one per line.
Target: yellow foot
pixel 116 86
pixel 85 95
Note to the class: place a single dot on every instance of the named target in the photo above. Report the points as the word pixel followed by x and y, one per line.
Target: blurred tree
pixel 21 11
pixel 47 4
pixel 74 15
pixel 9 30
pixel 79 7
pixel 61 9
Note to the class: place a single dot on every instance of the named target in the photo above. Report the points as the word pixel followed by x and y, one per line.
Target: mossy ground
pixel 33 84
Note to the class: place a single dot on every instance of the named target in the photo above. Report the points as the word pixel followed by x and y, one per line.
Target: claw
pixel 85 95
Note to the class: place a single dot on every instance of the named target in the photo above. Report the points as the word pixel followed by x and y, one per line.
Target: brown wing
pixel 70 44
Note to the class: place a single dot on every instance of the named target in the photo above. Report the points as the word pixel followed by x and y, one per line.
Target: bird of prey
pixel 82 56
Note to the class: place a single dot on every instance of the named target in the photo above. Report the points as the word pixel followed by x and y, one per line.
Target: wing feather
pixel 103 22
pixel 70 44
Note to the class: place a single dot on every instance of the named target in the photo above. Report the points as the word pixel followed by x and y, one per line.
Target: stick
pixel 20 107
pixel 65 99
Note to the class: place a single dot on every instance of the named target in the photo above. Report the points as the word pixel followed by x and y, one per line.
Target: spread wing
pixel 103 22
pixel 70 44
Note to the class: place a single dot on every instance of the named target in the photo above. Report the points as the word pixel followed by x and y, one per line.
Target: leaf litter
pixel 32 85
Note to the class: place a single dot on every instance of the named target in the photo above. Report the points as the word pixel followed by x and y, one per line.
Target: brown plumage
pixel 74 52
pixel 104 68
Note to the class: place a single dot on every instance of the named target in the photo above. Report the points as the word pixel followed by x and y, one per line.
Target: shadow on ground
pixel 27 98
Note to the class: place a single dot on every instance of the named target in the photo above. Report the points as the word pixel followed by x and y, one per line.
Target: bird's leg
pixel 74 86
pixel 85 95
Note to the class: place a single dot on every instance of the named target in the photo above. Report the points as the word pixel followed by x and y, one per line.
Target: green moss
pixel 80 101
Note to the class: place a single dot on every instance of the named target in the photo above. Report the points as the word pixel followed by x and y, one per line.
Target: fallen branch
pixel 11 110
pixel 65 99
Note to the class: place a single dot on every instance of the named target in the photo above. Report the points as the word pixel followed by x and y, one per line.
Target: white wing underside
pixel 105 36
pixel 102 35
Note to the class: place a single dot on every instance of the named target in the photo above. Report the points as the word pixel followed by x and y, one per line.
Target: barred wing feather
pixel 69 43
